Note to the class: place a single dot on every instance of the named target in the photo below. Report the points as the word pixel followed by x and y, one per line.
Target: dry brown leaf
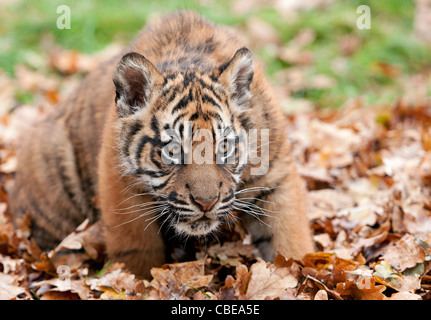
pixel 374 238
pixel 117 280
pixel 326 203
pixel 236 288
pixel 319 260
pixel 410 281
pixel 10 288
pixel 268 281
pixel 62 286
pixel 89 238
pixel 321 295
pixel 405 296
pixel 173 280
pixel 406 253
pixel 361 291
pixel 59 295
pixel 230 253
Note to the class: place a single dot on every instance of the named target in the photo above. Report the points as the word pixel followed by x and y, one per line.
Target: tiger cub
pixel 188 136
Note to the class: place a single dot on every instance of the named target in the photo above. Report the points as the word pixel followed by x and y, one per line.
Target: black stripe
pixel 181 129
pixel 246 123
pixel 155 126
pixel 237 151
pixel 204 84
pixel 183 102
pixel 224 66
pixel 229 197
pixel 85 182
pixel 178 118
pixel 240 169
pixel 143 142
pixel 67 185
pixel 37 212
pixel 188 78
pixel 163 184
pixel 212 114
pixel 170 76
pixel 194 116
pixel 173 94
pixel 173 198
pixel 153 174
pixel 210 87
pixel 153 158
pixel 220 120
pixel 213 77
pixel 207 99
pixel 134 129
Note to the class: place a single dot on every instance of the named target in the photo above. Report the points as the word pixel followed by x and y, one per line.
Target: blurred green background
pixel 333 59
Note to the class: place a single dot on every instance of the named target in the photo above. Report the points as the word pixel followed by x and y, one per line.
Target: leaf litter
pixel 368 176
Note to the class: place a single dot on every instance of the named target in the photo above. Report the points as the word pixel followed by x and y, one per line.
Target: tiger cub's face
pixel 181 135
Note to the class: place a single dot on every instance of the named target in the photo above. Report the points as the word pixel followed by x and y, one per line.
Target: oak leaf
pixel 268 281
pixel 406 253
pixel 173 280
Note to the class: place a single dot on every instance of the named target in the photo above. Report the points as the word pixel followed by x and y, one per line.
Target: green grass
pixel 390 40
pixel 96 23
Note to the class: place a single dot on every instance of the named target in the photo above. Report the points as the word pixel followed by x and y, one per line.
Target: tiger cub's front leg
pixel 132 235
pixel 127 216
pixel 276 218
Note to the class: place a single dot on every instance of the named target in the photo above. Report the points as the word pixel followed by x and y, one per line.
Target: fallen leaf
pixel 59 295
pixel 405 296
pixel 9 287
pixel 405 253
pixel 321 295
pixel 89 238
pixel 363 291
pixel 173 280
pixel 231 253
pixel 117 280
pixel 384 274
pixel 268 281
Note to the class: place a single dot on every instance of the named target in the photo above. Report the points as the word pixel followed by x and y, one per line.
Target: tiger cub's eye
pixel 224 147
pixel 174 148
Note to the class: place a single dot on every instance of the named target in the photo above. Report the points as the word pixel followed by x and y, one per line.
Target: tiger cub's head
pixel 181 134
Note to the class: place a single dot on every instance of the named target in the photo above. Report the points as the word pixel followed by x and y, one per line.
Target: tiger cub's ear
pixel 135 80
pixel 237 77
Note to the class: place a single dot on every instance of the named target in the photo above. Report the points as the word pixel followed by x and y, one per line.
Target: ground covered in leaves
pixel 368 174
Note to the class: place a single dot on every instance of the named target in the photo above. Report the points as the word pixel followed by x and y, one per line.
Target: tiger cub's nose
pixel 204 204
